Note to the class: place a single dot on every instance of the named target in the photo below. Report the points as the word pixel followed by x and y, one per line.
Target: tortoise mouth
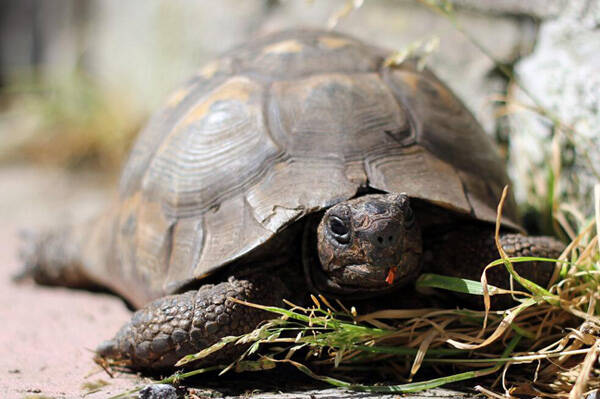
pixel 366 276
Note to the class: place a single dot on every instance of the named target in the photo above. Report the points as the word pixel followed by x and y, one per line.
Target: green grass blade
pixel 205 352
pixel 456 284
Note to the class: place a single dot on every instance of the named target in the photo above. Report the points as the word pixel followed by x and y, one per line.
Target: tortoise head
pixel 370 243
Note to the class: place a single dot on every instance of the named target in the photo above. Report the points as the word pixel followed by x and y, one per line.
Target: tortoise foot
pixel 164 331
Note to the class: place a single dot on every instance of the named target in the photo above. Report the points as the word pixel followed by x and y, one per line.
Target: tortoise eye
pixel 339 230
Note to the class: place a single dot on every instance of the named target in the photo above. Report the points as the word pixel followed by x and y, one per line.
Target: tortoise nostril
pixel 380 239
pixel 391 238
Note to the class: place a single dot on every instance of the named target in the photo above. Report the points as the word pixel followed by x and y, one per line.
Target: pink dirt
pixel 48 334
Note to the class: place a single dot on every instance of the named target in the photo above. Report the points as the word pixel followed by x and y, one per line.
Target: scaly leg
pixel 171 327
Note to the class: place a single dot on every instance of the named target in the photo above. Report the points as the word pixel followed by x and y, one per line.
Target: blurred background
pixel 78 78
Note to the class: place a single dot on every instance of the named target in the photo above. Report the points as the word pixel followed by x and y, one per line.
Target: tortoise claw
pixel 107 349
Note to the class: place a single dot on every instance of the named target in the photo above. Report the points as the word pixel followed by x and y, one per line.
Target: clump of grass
pixel 546 345
pixel 68 122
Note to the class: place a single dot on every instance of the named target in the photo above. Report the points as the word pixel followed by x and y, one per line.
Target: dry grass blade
pixel 419 49
pixel 586 371
pixel 498 332
pixel 427 339
pixel 343 12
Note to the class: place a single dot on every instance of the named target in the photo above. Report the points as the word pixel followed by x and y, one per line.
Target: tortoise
pixel 298 162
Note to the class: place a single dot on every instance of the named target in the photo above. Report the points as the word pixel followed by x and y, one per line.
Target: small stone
pixel 593 395
pixel 158 391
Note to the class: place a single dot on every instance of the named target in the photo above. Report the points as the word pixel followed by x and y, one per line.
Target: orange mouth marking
pixel 391 275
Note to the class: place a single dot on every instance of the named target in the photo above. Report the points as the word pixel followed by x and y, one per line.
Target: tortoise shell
pixel 285 125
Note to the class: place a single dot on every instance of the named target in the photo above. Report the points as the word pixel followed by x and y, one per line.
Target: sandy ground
pixel 48 333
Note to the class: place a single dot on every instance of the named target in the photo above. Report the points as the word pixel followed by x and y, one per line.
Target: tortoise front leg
pixel 466 251
pixel 171 327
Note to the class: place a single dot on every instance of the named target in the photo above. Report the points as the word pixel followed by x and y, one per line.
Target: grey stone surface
pixel 158 391
pixel 563 73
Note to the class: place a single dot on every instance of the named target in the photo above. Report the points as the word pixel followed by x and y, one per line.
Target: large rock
pixel 563 74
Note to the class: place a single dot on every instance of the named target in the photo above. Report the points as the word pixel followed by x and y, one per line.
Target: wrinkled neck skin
pixel 362 248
